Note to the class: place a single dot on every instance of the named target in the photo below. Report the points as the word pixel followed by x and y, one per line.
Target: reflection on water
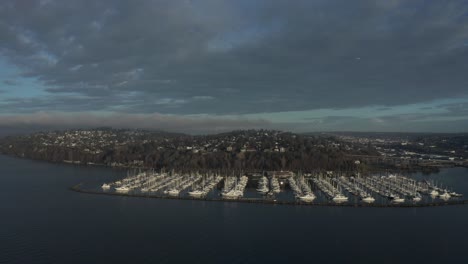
pixel 43 222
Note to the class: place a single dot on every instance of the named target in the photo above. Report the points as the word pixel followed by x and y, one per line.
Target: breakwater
pixel 78 188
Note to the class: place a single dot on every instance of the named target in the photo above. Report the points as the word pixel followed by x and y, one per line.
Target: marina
pixel 279 188
pixel 213 222
pixel 233 132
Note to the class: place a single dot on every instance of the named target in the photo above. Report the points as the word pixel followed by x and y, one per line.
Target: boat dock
pixel 78 188
pixel 320 189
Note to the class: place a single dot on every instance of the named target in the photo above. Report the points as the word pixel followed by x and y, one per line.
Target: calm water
pixel 41 221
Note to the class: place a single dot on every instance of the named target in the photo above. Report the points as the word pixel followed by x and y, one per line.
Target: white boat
pixel 234 194
pixel 173 192
pixel 340 198
pixel 122 189
pixel 454 194
pixel 368 199
pixel 196 193
pixel 307 198
pixel 434 193
pixel 105 186
pixel 417 197
pixel 444 196
pixel 397 199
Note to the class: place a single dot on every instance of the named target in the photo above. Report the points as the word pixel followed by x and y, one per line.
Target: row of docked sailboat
pixel 330 188
pixel 274 186
pixel 181 184
pixel 172 184
pixel 397 188
pixel 434 191
pixel 263 184
pixel 375 185
pixel 301 188
pixel 207 184
pixel 162 183
pixel 355 189
pixel 234 187
pixel 395 191
pixel 153 181
pixel 128 183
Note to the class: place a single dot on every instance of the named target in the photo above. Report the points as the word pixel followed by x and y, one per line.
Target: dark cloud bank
pixel 234 57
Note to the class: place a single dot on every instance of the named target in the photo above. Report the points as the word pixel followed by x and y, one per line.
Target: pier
pixel 322 189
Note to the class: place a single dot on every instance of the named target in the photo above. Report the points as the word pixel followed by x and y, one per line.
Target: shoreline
pixel 129 167
pixel 76 188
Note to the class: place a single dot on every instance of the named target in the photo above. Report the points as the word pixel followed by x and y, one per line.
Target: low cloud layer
pixel 194 125
pixel 439 122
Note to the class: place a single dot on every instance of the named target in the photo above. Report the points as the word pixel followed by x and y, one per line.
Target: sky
pixel 206 66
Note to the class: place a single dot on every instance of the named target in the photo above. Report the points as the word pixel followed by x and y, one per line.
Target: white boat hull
pixel 308 199
pixel 173 193
pixel 368 200
pixel 196 194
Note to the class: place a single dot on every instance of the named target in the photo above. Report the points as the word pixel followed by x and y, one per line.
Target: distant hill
pixel 409 135
pixel 239 150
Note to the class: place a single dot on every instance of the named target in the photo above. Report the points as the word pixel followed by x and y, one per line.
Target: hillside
pixel 246 150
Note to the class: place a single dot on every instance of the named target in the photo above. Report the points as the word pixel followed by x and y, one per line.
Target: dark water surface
pixel 41 221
